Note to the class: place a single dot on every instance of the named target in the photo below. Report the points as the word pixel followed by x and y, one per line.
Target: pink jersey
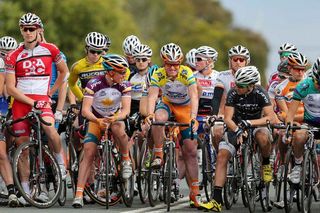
pixel 32 67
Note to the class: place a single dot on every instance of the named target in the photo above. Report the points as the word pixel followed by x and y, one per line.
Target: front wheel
pixel 307 182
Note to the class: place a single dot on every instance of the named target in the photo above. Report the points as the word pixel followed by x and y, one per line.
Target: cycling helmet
pixel 171 53
pixel 96 40
pixel 239 51
pixel 247 75
pixel 297 59
pixel 150 73
pixel 8 43
pixel 142 51
pixel 283 67
pixel 114 62
pixel 316 70
pixel 287 47
pixel 30 19
pixel 129 44
pixel 207 52
pixel 108 43
pixel 191 58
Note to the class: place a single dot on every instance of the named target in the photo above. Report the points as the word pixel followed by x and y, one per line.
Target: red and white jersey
pixel 32 67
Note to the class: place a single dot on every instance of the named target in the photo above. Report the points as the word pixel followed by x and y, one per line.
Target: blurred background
pixel 261 26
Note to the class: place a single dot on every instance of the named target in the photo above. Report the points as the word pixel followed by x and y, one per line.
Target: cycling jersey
pixel 226 80
pixel 138 83
pixel 248 106
pixel 310 96
pixel 148 79
pixel 106 98
pixel 84 71
pixel 284 91
pixel 55 76
pixel 32 67
pixel 1 65
pixel 273 78
pixel 175 92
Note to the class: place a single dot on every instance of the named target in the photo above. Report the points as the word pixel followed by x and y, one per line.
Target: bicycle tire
pixel 143 168
pixel 307 182
pixel 63 195
pixel 107 158
pixel 207 172
pixel 167 176
pixel 35 183
pixel 250 186
pixel 228 189
pixel 73 165
pixel 288 200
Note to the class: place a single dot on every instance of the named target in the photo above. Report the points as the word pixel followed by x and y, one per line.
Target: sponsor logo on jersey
pixel 205 82
pixel 34 66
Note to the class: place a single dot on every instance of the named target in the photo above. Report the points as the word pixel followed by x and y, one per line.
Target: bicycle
pixel 168 172
pixel 44 168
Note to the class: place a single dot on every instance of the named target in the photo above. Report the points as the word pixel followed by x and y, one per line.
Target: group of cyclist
pixel 111 87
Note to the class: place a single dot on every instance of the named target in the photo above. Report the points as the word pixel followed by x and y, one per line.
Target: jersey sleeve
pixel 189 76
pixel 264 97
pixel 300 92
pixel 73 83
pixel 126 89
pixel 91 88
pixel 57 56
pixel 10 63
pixel 1 66
pixel 230 101
pixel 156 77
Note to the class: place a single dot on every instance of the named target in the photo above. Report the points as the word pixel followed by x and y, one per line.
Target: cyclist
pixel 28 73
pixel 107 101
pixel 284 51
pixel 6 44
pixel 247 104
pixel 128 45
pixel 179 97
pixel 191 59
pixel 239 56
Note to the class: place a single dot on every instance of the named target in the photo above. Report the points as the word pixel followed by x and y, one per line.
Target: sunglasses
pixel 141 59
pixel 201 59
pixel 241 86
pixel 95 51
pixel 298 69
pixel 3 54
pixel 282 77
pixel 176 66
pixel 238 59
pixel 30 29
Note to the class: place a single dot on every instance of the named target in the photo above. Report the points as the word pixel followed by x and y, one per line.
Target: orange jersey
pixel 284 91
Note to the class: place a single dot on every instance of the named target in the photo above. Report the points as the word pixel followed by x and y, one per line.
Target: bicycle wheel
pixel 307 182
pixel 207 169
pixel 39 179
pixel 289 188
pixel 127 187
pixel 107 159
pixel 143 168
pixel 249 178
pixel 63 195
pixel 167 176
pixel 277 183
pixel 73 166
pixel 230 187
pixel 154 184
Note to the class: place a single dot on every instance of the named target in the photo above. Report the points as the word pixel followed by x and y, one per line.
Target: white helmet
pixel 129 44
pixel 30 19
pixel 247 75
pixel 96 40
pixel 287 47
pixel 316 70
pixel 171 53
pixel 297 59
pixel 207 52
pixel 191 58
pixel 8 43
pixel 142 51
pixel 239 51
pixel 108 43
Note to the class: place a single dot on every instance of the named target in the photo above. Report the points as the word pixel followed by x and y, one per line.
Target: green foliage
pixel 189 23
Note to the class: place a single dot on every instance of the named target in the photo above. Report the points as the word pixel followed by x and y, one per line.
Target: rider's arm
pixel 292 111
pixel 152 98
pixel 228 114
pixel 72 81
pixel 62 96
pixel 268 115
pixel 86 109
pixel 193 93
pixel 14 92
pixel 63 71
pixel 126 106
pixel 143 106
pixel 216 100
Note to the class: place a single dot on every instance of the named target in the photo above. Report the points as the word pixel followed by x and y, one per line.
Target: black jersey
pixel 249 106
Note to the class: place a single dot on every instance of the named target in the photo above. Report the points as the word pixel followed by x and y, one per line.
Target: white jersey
pixel 1 65
pixel 138 84
pixel 207 83
pixel 226 80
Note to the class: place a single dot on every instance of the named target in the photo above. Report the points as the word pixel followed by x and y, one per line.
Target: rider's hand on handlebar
pixel 195 124
pixel 148 120
pixel 244 124
pixel 41 104
pixel 103 123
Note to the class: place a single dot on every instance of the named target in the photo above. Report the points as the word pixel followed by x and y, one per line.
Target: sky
pixel 280 21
